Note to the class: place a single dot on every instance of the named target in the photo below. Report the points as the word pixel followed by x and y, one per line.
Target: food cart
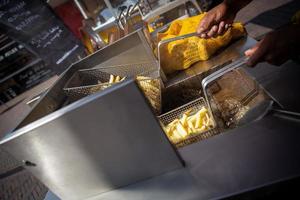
pixel 111 142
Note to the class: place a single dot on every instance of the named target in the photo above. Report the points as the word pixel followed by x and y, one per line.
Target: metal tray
pixel 89 130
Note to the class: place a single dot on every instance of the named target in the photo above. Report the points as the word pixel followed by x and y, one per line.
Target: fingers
pixel 263 51
pixel 221 27
pixel 256 53
pixel 213 31
pixel 200 30
pixel 205 24
pixel 203 35
pixel 251 51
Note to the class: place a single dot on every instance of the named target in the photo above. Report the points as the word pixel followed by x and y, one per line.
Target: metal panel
pixel 131 49
pixel 226 164
pixel 262 153
pixel 249 157
pixel 97 144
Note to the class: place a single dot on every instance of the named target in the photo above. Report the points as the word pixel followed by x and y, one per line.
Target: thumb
pixel 205 24
pixel 251 51
pixel 256 53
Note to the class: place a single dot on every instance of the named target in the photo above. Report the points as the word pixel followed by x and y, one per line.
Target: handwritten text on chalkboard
pixel 33 23
pixel 44 39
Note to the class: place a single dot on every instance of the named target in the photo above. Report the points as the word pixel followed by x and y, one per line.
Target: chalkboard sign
pixel 14 57
pixel 36 72
pixel 34 25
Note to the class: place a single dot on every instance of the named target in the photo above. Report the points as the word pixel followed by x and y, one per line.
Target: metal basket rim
pixel 89 86
pixel 157 76
pixel 198 137
pixel 180 107
pixel 120 65
pixel 102 84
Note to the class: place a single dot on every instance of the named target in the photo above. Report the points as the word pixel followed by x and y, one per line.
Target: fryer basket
pixel 89 81
pixel 195 105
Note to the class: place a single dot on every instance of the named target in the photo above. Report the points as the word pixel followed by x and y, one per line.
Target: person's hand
pixel 216 21
pixel 276 47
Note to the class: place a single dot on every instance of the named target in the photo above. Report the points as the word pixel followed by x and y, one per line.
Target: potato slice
pixel 118 78
pixel 199 120
pixel 173 122
pixel 181 130
pixel 183 120
pixel 176 135
pixel 192 127
pixel 111 79
pixel 200 115
pixel 202 129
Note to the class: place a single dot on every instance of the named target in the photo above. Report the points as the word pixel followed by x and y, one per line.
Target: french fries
pixel 115 79
pixel 112 79
pixel 189 124
pixel 150 87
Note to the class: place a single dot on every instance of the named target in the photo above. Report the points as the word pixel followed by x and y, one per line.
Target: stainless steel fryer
pixel 78 151
pixel 102 141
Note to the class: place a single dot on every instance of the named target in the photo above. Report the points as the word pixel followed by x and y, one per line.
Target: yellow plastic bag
pixel 181 54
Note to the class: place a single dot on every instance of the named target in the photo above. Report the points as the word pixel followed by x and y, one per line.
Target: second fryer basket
pixel 88 81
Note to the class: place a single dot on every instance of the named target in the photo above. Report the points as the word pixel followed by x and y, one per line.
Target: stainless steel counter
pixel 240 160
pixel 258 154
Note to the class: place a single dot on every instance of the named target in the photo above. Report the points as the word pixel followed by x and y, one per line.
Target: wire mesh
pixel 89 81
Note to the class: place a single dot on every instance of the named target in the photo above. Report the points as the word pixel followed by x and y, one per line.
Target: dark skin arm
pixel 275 48
pixel 219 19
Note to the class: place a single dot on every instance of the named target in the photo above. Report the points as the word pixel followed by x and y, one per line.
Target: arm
pixel 276 47
pixel 217 20
pixel 236 5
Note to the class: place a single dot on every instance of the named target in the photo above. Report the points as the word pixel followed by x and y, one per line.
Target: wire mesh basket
pixel 89 81
pixel 232 96
pixel 195 106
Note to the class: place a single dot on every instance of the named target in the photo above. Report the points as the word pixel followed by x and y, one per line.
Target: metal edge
pixel 42 96
pixel 178 108
pixel 121 65
pixel 150 53
pixel 58 113
pixel 72 69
